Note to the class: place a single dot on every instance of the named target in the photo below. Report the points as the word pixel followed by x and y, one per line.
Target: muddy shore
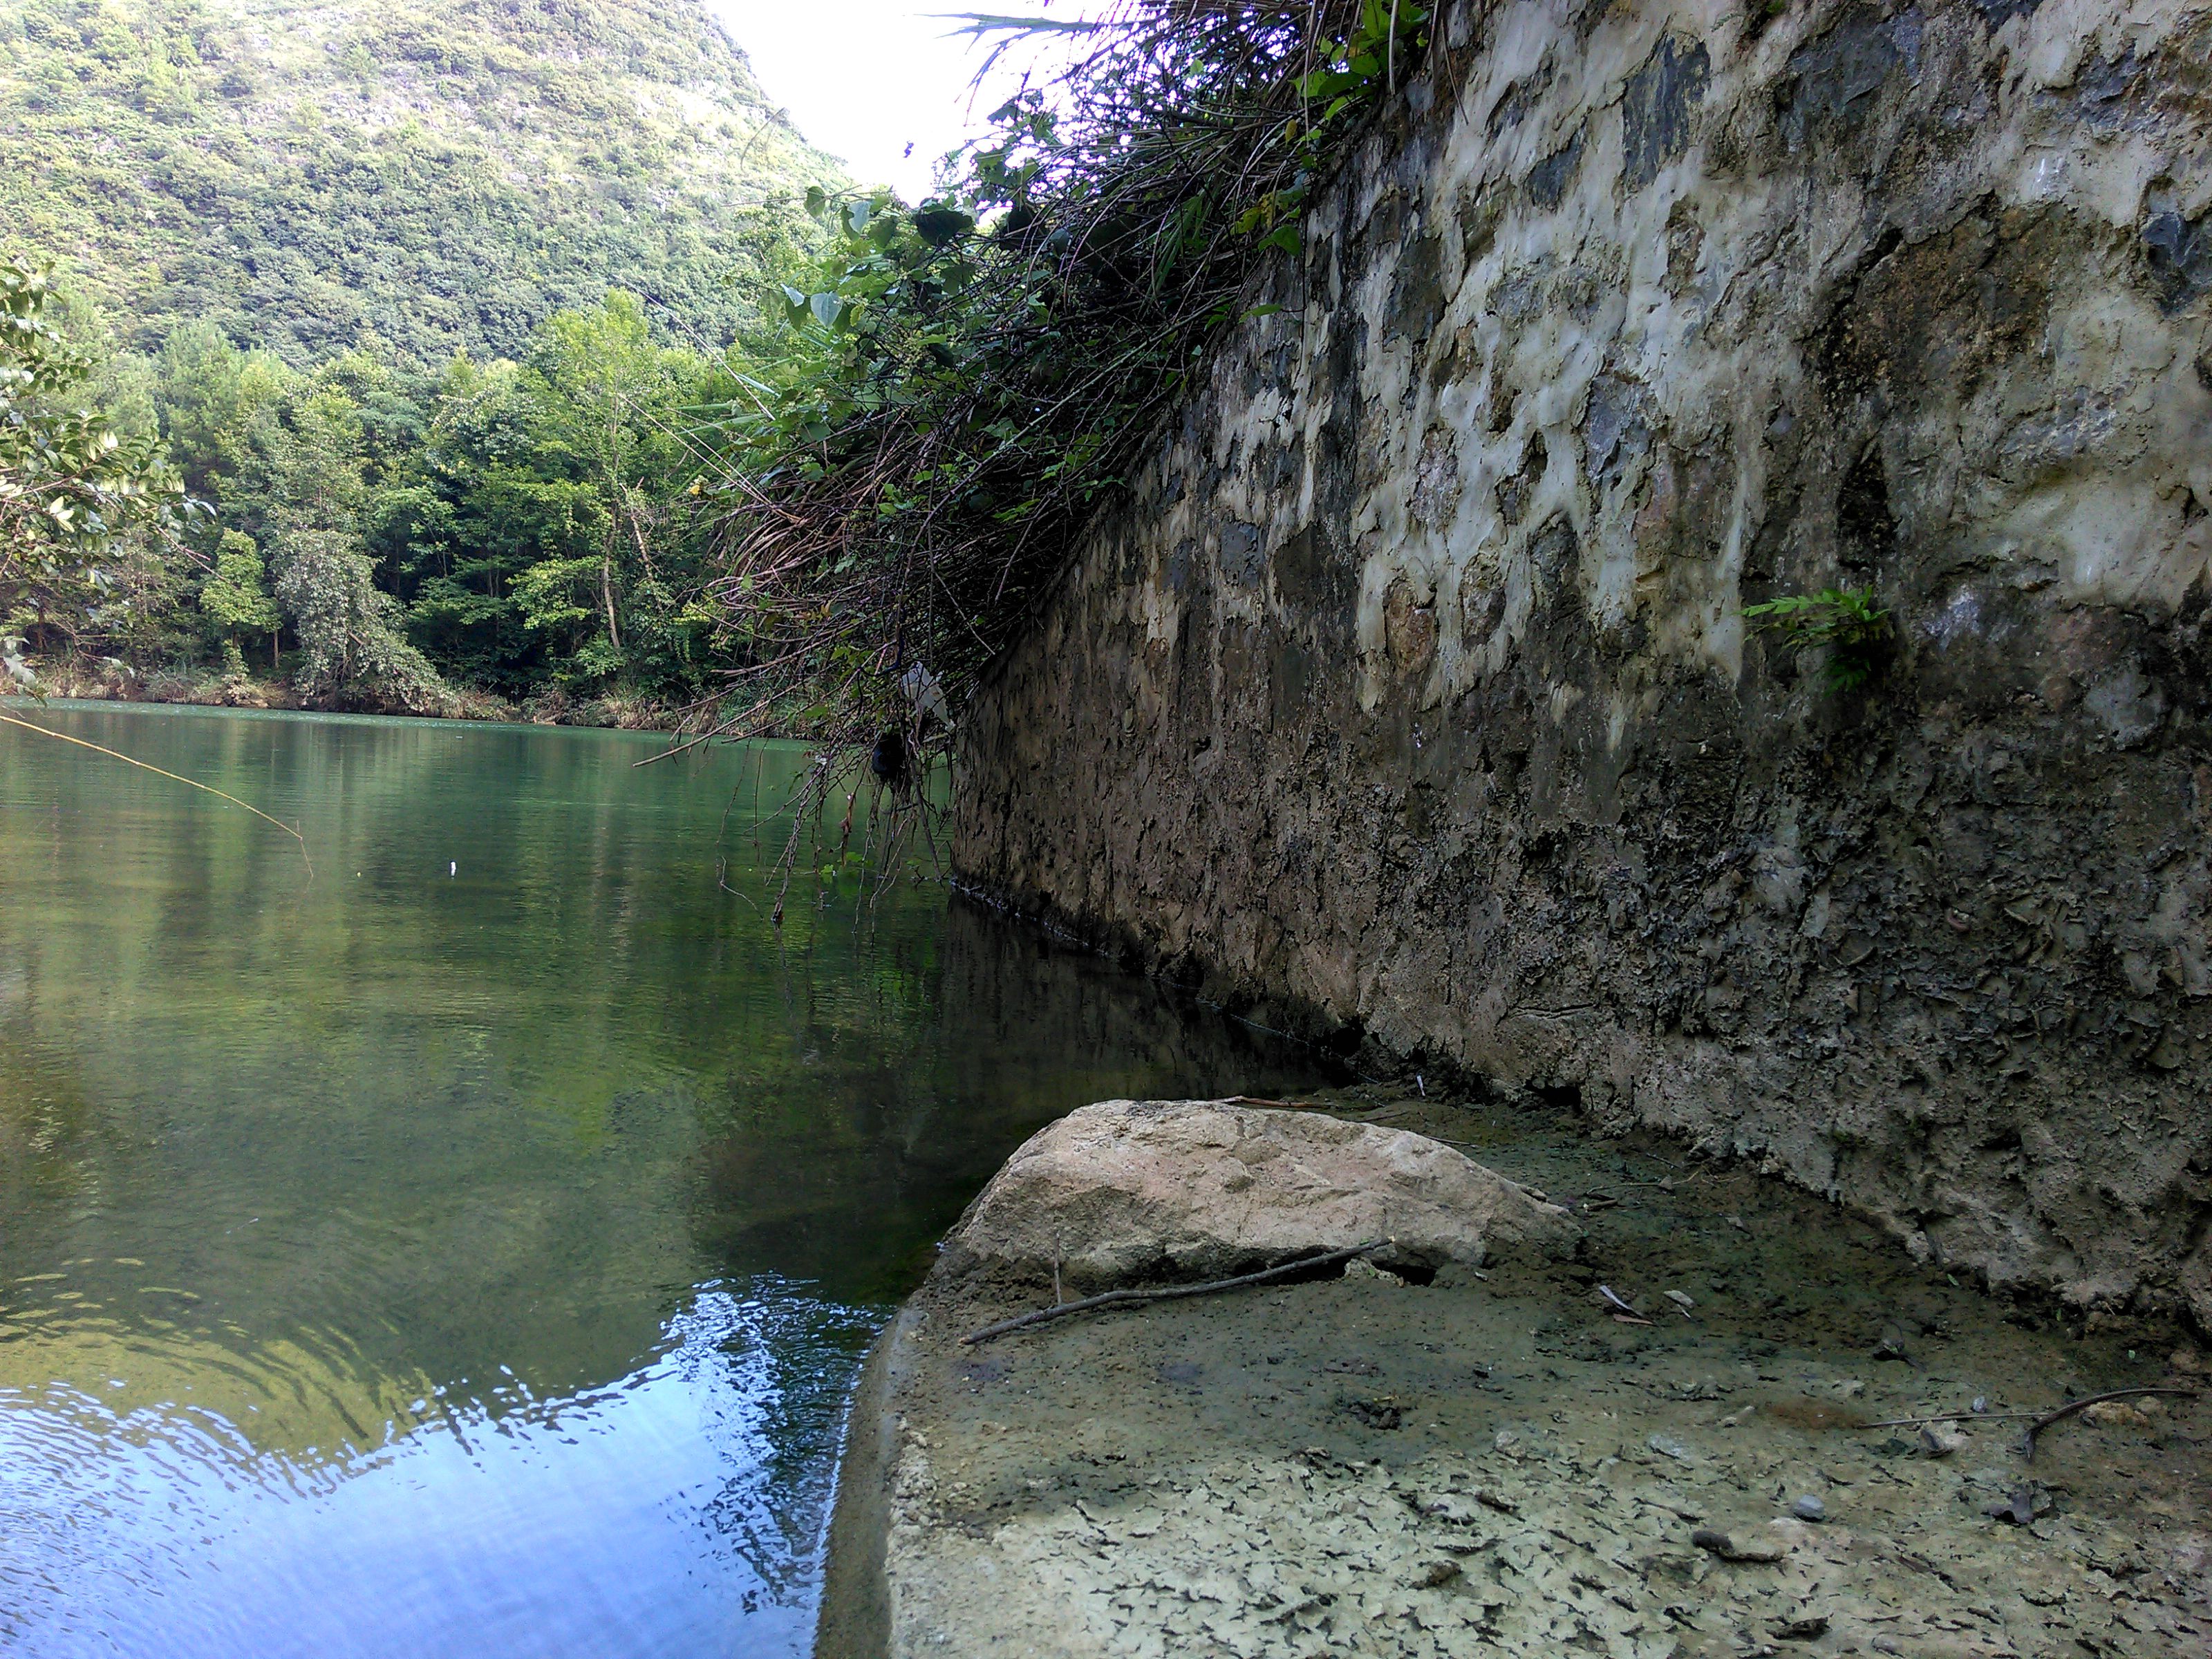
pixel 1362 1465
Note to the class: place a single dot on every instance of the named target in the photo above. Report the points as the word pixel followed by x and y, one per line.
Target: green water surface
pixel 465 1248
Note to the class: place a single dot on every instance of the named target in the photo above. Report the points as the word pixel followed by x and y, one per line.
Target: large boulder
pixel 1133 1190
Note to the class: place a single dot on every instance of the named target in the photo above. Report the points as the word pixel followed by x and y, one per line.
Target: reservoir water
pixel 465 1248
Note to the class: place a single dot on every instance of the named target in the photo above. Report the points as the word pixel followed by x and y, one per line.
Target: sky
pixel 867 78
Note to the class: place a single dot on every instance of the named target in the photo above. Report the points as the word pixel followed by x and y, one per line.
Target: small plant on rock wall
pixel 1846 621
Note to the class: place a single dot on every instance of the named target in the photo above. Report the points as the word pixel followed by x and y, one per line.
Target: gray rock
pixel 1453 1507
pixel 1128 1189
pixel 1808 1508
pixel 1729 1547
pixel 2023 1504
pixel 1941 1439
pixel 1359 1269
pixel 1805 1627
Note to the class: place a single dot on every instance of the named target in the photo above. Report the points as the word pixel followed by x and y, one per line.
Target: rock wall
pixel 1414 689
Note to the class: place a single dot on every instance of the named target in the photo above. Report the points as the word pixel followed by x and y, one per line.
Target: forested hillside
pixel 445 176
pixel 425 305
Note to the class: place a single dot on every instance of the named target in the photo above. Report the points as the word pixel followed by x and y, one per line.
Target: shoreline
pixel 283 704
pixel 265 697
pixel 854 1619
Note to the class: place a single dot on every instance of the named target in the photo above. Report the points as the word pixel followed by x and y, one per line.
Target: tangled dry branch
pixel 973 379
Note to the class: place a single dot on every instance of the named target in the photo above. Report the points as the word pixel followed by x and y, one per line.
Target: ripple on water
pixel 672 1512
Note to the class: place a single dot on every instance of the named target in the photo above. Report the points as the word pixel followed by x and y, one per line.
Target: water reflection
pixel 464 1251
pixel 891 1117
pixel 670 1514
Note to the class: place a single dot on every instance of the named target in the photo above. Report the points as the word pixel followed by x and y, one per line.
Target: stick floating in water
pixel 147 766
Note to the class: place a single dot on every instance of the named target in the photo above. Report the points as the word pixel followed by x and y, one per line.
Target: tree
pixel 71 485
pixel 235 597
pixel 610 394
pixel 513 527
pixel 210 394
pixel 539 532
pixel 349 644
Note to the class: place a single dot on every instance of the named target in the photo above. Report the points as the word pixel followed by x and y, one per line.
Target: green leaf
pixel 941 225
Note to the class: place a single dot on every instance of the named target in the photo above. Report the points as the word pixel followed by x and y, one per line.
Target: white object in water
pixel 454 869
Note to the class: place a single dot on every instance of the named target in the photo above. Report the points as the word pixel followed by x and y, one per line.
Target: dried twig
pixel 1110 1298
pixel 2042 1421
pixel 2028 1439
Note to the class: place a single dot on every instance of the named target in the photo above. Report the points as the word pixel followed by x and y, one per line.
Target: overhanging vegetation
pixel 969 382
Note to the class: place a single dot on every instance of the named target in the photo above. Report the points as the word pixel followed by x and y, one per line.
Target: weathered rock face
pixel 1414 689
pixel 1131 1190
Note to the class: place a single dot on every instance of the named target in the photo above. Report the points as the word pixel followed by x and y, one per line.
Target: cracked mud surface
pixel 1359 1465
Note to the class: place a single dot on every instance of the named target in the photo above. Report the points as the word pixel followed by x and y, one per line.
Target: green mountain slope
pixel 444 175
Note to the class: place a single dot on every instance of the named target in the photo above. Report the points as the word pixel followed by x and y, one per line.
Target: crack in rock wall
pixel 1413 689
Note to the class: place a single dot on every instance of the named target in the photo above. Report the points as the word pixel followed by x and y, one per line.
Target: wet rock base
pixel 1501 1462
